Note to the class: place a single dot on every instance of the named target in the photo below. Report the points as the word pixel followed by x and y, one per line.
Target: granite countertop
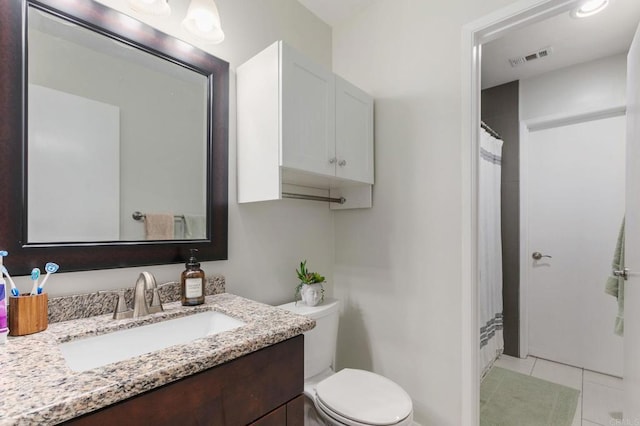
pixel 36 386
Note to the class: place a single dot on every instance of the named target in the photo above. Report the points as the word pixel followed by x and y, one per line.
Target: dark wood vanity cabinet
pixel 290 414
pixel 262 388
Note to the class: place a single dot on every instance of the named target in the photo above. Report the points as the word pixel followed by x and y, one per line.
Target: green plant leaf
pixel 307 277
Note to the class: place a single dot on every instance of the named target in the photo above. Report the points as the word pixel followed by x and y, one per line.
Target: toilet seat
pixel 362 398
pixel 334 418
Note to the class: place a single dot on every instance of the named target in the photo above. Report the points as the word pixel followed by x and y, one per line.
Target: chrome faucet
pixel 156 303
pixel 145 282
pixel 121 309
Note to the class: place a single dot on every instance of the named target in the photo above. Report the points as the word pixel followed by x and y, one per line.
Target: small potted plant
pixel 310 289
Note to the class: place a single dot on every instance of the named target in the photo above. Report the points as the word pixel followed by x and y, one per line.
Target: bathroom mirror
pixel 129 137
pixel 108 125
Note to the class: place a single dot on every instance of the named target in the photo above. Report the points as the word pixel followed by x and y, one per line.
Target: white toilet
pixel 348 397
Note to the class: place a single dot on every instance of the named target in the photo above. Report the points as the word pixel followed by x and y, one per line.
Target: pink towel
pixel 159 226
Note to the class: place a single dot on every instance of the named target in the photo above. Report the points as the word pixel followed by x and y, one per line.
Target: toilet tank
pixel 320 342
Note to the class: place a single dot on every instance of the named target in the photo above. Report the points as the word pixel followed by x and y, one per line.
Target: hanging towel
pixel 615 285
pixel 195 227
pixel 159 226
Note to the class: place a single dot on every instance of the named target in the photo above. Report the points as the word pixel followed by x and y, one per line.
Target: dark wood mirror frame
pixel 24 256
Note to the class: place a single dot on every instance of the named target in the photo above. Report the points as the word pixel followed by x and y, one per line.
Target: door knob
pixel 332 160
pixel 537 255
pixel 342 163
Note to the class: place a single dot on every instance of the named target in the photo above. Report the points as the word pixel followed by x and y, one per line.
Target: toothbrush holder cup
pixel 28 314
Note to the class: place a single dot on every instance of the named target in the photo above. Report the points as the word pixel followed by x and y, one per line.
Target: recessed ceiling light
pixel 589 8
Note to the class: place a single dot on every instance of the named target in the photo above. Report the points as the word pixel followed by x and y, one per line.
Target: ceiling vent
pixel 542 53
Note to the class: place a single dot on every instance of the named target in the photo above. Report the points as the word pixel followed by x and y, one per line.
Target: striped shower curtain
pixel 489 251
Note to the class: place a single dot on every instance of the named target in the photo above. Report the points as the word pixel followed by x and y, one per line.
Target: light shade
pixel 151 7
pixel 203 20
pixel 589 8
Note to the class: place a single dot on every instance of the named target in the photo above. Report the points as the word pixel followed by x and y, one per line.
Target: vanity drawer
pixel 238 392
pixel 291 414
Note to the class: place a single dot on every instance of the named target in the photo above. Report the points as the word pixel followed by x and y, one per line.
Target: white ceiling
pixel 334 12
pixel 573 41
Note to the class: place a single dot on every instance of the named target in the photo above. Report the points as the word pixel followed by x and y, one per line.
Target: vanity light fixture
pixel 151 7
pixel 203 21
pixel 589 8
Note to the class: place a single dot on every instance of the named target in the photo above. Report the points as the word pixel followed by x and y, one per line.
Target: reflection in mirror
pixel 112 130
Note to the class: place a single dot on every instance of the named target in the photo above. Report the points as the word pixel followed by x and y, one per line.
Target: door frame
pixel 474 34
pixel 526 127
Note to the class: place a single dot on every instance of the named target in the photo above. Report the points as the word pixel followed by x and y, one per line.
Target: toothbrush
pixel 35 275
pixel 51 268
pixel 3 254
pixel 14 289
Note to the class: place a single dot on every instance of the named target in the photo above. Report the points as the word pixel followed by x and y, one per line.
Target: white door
pixel 632 240
pixel 66 134
pixel 354 132
pixel 575 204
pixel 308 114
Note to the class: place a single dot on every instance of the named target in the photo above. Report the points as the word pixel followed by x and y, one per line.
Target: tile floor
pixel 600 400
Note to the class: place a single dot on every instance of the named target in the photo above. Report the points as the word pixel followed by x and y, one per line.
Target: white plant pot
pixel 312 294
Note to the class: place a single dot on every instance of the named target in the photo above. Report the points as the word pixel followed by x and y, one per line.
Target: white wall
pixel 580 88
pixel 398 264
pixel 266 240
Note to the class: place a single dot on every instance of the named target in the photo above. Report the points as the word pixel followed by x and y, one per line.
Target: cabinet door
pixel 295 411
pixel 290 414
pixel 354 132
pixel 307 118
pixel 277 417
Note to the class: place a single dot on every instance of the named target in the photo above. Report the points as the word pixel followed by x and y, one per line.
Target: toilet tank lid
pixel 327 307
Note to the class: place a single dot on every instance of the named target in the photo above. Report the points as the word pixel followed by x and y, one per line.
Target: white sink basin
pixel 92 352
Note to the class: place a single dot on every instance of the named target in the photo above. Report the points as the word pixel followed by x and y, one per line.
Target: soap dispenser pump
pixel 192 282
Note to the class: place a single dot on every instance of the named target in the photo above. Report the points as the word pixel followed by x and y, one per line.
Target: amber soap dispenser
pixel 192 282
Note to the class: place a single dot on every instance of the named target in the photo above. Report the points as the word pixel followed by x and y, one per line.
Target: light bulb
pixel 591 5
pixel 203 21
pixel 589 8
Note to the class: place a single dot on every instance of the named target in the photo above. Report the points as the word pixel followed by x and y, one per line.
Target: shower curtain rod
pixel 490 130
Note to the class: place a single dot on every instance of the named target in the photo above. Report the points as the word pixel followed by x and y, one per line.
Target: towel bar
pixel 140 216
pixel 340 200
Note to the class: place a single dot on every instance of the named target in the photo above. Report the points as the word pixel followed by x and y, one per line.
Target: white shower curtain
pixel 489 251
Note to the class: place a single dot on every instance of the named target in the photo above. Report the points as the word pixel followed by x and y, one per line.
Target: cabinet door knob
pixel 342 163
pixel 332 160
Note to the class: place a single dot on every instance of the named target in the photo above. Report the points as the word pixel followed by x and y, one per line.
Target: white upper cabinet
pixel 300 124
pixel 308 114
pixel 354 132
